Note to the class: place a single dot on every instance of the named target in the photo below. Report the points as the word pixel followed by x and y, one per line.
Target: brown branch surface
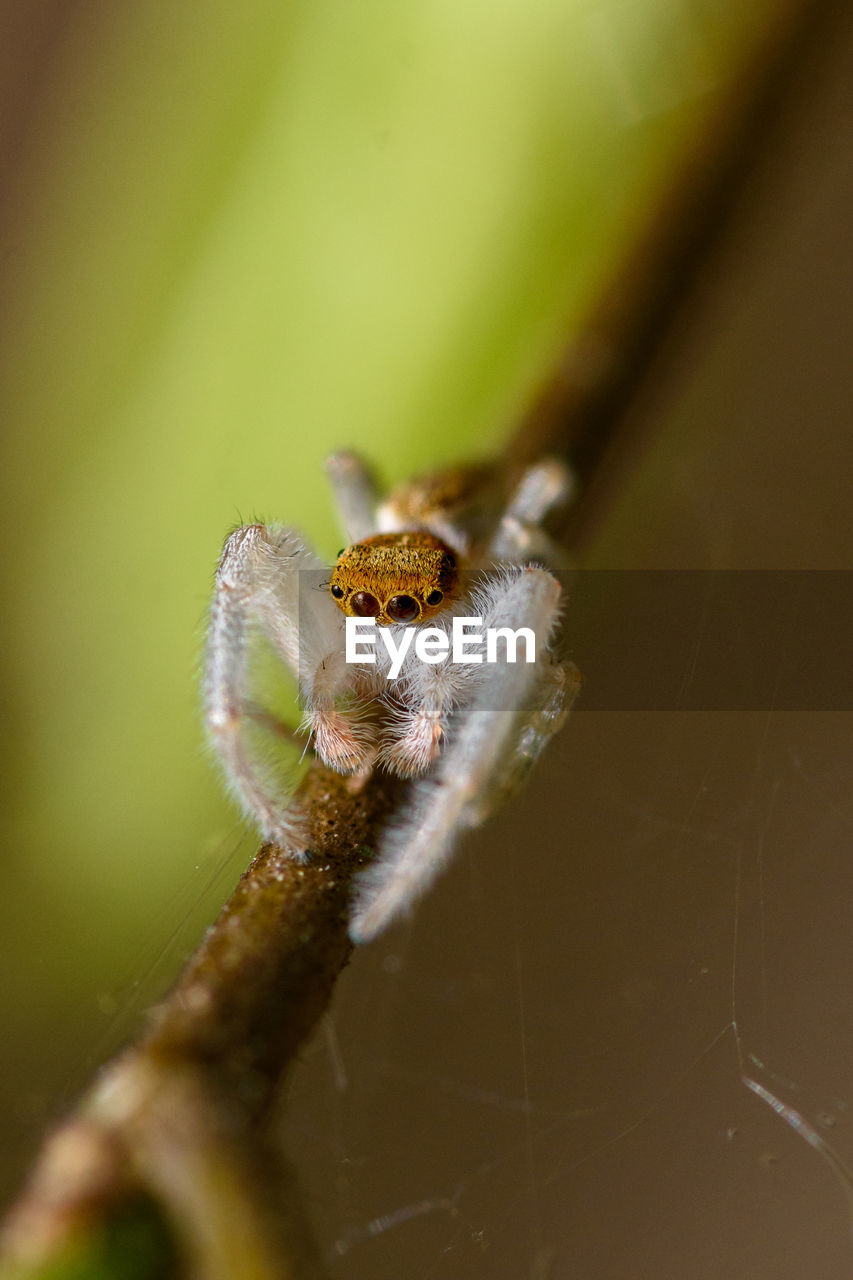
pixel 176 1115
pixel 279 943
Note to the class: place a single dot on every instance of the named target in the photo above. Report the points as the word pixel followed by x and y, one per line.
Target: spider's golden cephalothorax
pixel 395 577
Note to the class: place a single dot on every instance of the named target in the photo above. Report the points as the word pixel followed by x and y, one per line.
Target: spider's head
pixel 394 577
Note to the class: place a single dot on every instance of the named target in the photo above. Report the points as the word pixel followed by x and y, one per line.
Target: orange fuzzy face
pixel 394 578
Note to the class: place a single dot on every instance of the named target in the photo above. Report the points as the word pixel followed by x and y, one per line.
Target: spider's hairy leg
pixel 484 737
pixel 547 485
pixel 542 488
pixel 554 693
pixel 419 722
pixel 355 494
pixel 256 587
pixel 342 734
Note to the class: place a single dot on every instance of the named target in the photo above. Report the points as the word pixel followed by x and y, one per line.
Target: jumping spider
pixel 454 545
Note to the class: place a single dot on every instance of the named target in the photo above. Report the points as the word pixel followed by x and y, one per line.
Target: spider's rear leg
pixel 355 493
pixel 543 488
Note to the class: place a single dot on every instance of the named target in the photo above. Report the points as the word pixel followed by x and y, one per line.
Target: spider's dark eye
pixel 449 560
pixel 435 597
pixel 364 604
pixel 340 553
pixel 337 592
pixel 403 608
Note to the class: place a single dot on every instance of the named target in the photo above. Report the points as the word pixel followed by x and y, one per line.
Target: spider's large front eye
pixel 364 604
pixel 403 608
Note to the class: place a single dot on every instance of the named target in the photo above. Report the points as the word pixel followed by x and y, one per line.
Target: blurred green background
pixel 235 238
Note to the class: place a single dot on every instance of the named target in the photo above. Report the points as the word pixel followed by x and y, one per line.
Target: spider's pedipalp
pixel 415 735
pixel 424 699
pixel 342 734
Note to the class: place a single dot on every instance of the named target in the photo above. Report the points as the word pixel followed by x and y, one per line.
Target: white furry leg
pixel 343 737
pixel 519 536
pixel 253 558
pixel 543 487
pixel 417 733
pixel 484 743
pixel 355 494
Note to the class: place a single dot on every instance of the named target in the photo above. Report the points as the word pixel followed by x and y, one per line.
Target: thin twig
pixel 177 1114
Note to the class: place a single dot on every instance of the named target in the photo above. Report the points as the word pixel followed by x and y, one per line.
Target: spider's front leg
pixel 516 708
pixel 256 579
pixel 258 589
